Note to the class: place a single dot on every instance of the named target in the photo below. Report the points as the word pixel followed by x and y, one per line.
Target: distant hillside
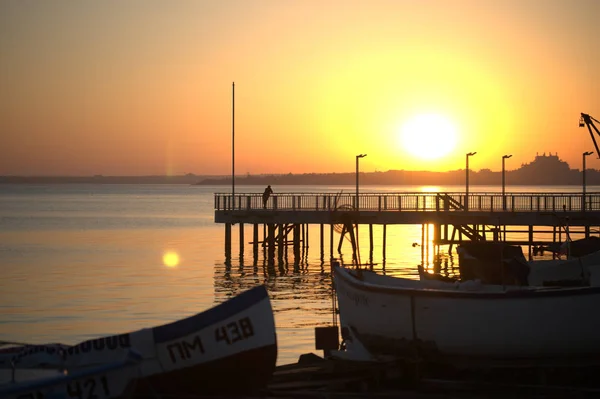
pixel 189 178
pixel 543 170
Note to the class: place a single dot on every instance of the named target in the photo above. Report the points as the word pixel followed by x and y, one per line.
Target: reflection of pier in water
pixel 285 280
pixel 446 219
pixel 292 275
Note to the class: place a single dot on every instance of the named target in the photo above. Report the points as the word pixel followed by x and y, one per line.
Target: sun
pixel 428 136
pixel 170 259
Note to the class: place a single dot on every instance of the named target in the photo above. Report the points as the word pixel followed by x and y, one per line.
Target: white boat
pixel 110 381
pixel 467 321
pixel 188 357
pixel 575 271
pixel 500 263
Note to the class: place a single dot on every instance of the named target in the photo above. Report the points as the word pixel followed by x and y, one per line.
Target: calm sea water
pixel 82 261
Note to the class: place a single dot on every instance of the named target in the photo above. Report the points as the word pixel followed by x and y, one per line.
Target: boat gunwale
pixel 542 292
pixel 222 311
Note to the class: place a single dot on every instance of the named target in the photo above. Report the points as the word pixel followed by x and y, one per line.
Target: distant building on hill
pixel 545 169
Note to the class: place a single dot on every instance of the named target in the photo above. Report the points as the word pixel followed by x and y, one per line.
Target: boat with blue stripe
pixel 190 356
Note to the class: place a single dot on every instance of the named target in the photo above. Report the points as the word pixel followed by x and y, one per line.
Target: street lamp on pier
pixel 467 181
pixel 357 158
pixel 585 154
pixel 504 157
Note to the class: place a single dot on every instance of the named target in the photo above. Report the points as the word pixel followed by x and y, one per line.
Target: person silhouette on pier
pixel 266 194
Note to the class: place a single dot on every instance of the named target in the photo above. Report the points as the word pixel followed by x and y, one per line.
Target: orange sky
pixel 144 87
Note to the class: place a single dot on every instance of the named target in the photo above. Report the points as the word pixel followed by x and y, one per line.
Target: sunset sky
pixel 145 87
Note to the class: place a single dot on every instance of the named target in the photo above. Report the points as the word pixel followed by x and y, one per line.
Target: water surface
pixel 80 261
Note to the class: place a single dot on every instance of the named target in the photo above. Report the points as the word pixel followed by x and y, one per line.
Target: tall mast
pixel 233 145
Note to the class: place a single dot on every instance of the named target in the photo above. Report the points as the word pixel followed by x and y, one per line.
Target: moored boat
pixel 501 263
pixel 109 381
pixel 235 339
pixel 470 321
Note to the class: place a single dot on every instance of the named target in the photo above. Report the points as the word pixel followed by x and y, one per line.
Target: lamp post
pixel 357 158
pixel 233 145
pixel 467 181
pixel 504 157
pixel 585 154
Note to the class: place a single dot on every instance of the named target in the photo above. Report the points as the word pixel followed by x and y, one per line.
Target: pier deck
pixel 513 209
pixel 532 219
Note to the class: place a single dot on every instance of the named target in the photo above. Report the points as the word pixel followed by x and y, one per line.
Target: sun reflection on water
pixel 431 189
pixel 171 259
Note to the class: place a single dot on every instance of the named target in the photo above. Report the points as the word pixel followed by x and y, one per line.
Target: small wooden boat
pixel 469 320
pixel 110 381
pixel 191 356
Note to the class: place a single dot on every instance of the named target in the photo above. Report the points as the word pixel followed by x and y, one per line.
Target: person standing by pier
pixel 266 194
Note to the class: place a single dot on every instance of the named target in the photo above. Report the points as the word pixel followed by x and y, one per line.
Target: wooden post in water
pixel 384 241
pixel 271 243
pixel 227 240
pixel 331 241
pixel 559 235
pixel 302 234
pixel 422 244
pixel 305 242
pixel 554 239
pixel 426 260
pixel 241 240
pixel 322 240
pixel 306 236
pixel 530 241
pixel 452 239
pixel 296 244
pixel 446 231
pixel 286 241
pixel 371 244
pixel 281 242
pixel 255 241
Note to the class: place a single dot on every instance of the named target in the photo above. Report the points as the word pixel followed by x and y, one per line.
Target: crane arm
pixel 587 120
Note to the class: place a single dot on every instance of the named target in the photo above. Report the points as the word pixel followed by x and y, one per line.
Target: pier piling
pixel 529 219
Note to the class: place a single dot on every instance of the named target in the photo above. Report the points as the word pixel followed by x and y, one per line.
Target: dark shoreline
pixel 545 170
pixel 271 181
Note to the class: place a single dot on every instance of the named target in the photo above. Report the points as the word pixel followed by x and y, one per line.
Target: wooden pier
pixel 314 377
pixel 528 219
pixel 516 218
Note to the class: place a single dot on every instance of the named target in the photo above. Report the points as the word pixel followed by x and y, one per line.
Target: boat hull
pixel 110 381
pixel 233 341
pixel 394 316
pixel 246 373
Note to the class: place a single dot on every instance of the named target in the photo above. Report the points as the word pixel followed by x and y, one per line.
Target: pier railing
pixel 428 202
